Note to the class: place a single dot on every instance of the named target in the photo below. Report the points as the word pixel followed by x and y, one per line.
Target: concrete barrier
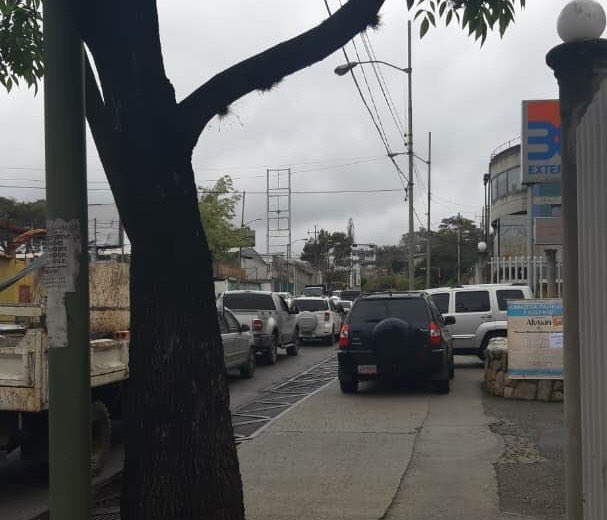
pixel 498 383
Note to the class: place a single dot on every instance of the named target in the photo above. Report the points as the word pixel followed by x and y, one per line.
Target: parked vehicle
pixel 24 392
pixel 318 319
pixel 395 335
pixel 480 311
pixel 270 319
pixel 349 295
pixel 313 290
pixel 238 345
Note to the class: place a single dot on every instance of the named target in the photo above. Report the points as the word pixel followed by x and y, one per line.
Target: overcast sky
pixel 315 123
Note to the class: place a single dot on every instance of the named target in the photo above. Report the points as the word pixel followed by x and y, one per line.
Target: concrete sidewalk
pixel 381 454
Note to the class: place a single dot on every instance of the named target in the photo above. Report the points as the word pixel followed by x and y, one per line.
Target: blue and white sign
pixel 541 141
pixel 535 339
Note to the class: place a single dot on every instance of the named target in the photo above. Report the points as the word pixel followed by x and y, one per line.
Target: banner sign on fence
pixel 535 339
pixel 541 141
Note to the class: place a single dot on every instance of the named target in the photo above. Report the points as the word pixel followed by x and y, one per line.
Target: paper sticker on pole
pixel 63 244
pixel 541 142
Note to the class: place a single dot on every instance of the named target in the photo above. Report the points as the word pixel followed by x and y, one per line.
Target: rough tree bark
pixel 180 462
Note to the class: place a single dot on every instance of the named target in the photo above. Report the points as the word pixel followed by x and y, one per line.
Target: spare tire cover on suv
pixel 393 340
pixel 307 321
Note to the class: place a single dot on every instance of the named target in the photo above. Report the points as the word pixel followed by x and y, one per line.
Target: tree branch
pixel 263 71
pixel 98 118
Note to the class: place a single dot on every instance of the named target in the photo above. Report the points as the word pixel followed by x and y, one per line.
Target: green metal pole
pixel 67 272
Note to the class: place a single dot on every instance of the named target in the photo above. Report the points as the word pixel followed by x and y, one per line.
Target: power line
pixel 383 85
pixel 360 93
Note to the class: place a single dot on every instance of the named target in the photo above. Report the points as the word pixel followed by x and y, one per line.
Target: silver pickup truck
pixel 271 321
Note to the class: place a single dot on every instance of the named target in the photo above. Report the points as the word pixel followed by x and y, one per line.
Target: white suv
pixel 318 319
pixel 479 312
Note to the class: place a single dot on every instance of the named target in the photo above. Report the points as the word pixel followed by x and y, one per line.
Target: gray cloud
pixel 469 97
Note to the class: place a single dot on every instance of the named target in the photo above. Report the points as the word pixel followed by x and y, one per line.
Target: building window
pixel 514 180
pixel 506 183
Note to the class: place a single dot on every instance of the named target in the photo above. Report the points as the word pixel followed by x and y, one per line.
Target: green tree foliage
pixel 20 43
pixel 475 16
pixel 25 214
pixel 444 250
pixel 217 211
pixel 331 253
pixel 391 259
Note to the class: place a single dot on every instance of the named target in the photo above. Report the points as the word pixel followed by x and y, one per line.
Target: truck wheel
pixel 293 350
pixel 248 370
pixel 272 353
pixel 101 428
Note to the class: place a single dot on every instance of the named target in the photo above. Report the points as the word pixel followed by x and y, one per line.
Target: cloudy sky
pixel 315 123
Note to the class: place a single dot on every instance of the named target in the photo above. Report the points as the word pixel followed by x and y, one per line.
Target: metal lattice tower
pixel 278 218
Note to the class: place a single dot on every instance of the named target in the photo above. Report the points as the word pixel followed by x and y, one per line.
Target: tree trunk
pixel 181 461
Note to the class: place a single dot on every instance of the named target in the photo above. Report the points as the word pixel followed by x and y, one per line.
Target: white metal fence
pixel 523 269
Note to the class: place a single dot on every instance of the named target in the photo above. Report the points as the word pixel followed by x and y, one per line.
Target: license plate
pixel 367 369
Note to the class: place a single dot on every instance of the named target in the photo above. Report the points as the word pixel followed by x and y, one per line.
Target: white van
pixel 479 312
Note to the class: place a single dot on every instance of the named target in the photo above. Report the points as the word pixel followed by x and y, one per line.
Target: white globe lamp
pixel 581 20
pixel 482 247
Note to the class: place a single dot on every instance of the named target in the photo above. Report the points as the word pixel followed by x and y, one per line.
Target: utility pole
pixel 428 245
pixel 67 278
pixel 410 153
pixel 459 249
pixel 244 197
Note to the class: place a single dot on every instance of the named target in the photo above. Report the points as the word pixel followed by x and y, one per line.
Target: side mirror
pixel 449 320
pixel 244 328
pixel 293 310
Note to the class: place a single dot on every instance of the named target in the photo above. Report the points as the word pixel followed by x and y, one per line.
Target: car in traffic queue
pixel 270 319
pixel 318 319
pixel 238 344
pixel 480 312
pixel 395 335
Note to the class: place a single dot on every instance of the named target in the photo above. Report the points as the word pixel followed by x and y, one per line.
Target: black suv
pixel 392 335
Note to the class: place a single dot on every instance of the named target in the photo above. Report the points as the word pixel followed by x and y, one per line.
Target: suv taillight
pixel 344 337
pixel 435 335
pixel 257 325
pixel 327 316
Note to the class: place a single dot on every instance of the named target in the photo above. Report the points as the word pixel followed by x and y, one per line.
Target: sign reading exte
pixel 541 141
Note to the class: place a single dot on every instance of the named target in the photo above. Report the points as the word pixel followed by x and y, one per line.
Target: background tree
pixel 217 211
pixel 444 250
pixel 330 253
pixel 180 461
pixel 26 214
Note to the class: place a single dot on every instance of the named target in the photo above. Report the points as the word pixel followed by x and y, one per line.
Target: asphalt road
pixel 385 453
pixel 23 487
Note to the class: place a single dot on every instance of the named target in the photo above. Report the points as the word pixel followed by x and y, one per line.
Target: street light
pixel 342 70
pixel 347 67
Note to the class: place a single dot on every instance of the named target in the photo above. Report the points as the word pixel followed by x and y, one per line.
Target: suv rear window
pixel 472 301
pixel 311 305
pixel 508 294
pixel 312 291
pixel 410 310
pixel 249 302
pixel 441 300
